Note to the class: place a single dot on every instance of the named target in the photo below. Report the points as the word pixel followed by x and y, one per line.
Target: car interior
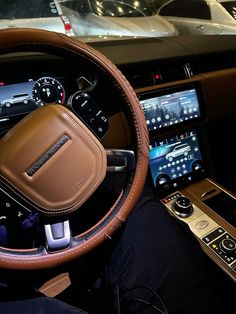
pixel 147 111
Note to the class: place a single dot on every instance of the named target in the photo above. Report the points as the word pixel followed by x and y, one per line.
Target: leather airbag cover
pixel 52 159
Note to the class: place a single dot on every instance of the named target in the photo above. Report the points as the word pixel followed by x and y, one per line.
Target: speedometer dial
pixel 48 90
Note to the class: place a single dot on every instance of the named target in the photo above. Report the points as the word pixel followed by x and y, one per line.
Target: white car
pixel 200 17
pixel 116 18
pixel 42 14
pixel 178 150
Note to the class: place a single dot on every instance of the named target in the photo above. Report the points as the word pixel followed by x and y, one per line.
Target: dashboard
pixel 25 92
pixel 186 89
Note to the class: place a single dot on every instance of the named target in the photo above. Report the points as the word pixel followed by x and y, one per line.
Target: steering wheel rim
pixel 48 42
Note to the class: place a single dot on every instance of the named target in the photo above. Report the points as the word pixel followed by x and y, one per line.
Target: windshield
pixel 111 19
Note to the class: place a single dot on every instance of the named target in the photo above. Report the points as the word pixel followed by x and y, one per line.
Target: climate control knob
pixel 228 246
pixel 183 206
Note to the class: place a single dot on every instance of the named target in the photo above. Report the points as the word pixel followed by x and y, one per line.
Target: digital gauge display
pixel 22 98
pixel 48 90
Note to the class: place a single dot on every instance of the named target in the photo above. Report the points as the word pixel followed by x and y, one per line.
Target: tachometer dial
pixel 48 90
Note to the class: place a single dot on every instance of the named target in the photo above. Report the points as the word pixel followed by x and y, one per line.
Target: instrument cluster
pixel 20 98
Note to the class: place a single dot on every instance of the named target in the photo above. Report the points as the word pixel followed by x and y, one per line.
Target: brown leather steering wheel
pixel 53 163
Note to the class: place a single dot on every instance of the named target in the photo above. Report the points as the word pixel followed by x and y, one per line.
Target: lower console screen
pixel 175 159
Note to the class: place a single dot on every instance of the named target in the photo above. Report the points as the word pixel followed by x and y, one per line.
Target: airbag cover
pixel 52 159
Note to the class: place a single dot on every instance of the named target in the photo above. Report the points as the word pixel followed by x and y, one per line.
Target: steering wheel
pixel 53 163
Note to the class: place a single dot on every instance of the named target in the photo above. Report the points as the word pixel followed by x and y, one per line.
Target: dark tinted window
pixel 123 8
pixel 230 6
pixel 23 9
pixel 76 5
pixel 197 9
pixel 113 8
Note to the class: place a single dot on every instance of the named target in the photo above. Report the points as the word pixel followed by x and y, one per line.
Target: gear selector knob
pixel 183 207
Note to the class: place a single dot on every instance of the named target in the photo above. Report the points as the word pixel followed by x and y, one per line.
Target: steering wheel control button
pixel 85 107
pixel 16 219
pixel 99 123
pixel 183 207
pixel 82 103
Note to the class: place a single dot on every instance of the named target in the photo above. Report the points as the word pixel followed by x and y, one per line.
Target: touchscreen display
pixel 174 157
pixel 168 109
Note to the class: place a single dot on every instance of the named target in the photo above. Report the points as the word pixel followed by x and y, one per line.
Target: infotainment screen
pixel 175 158
pixel 169 107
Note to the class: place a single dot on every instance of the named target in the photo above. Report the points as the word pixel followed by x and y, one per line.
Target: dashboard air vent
pixel 141 76
pixel 175 72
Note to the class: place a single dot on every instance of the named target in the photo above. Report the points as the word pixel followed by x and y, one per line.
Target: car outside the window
pixel 200 17
pixel 116 18
pixel 41 14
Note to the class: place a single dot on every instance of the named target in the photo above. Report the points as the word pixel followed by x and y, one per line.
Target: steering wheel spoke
pixel 58 236
pixel 119 160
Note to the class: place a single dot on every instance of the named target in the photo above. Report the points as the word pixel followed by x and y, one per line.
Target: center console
pixel 177 165
pixel 210 212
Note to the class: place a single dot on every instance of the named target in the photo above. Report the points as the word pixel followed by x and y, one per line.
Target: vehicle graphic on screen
pixel 16 99
pixel 178 150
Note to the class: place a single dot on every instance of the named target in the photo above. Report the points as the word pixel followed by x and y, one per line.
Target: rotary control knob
pixel 183 207
pixel 228 246
pixel 163 183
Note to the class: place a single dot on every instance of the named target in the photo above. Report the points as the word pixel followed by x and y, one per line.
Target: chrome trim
pixel 58 236
pixel 126 159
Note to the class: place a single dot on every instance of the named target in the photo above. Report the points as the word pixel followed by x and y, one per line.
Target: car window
pixel 197 9
pixel 117 8
pixel 116 19
pixel 230 6
pixel 23 9
pixel 121 8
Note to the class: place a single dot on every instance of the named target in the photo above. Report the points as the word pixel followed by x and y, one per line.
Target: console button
pixel 163 183
pixel 221 245
pixel 213 235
